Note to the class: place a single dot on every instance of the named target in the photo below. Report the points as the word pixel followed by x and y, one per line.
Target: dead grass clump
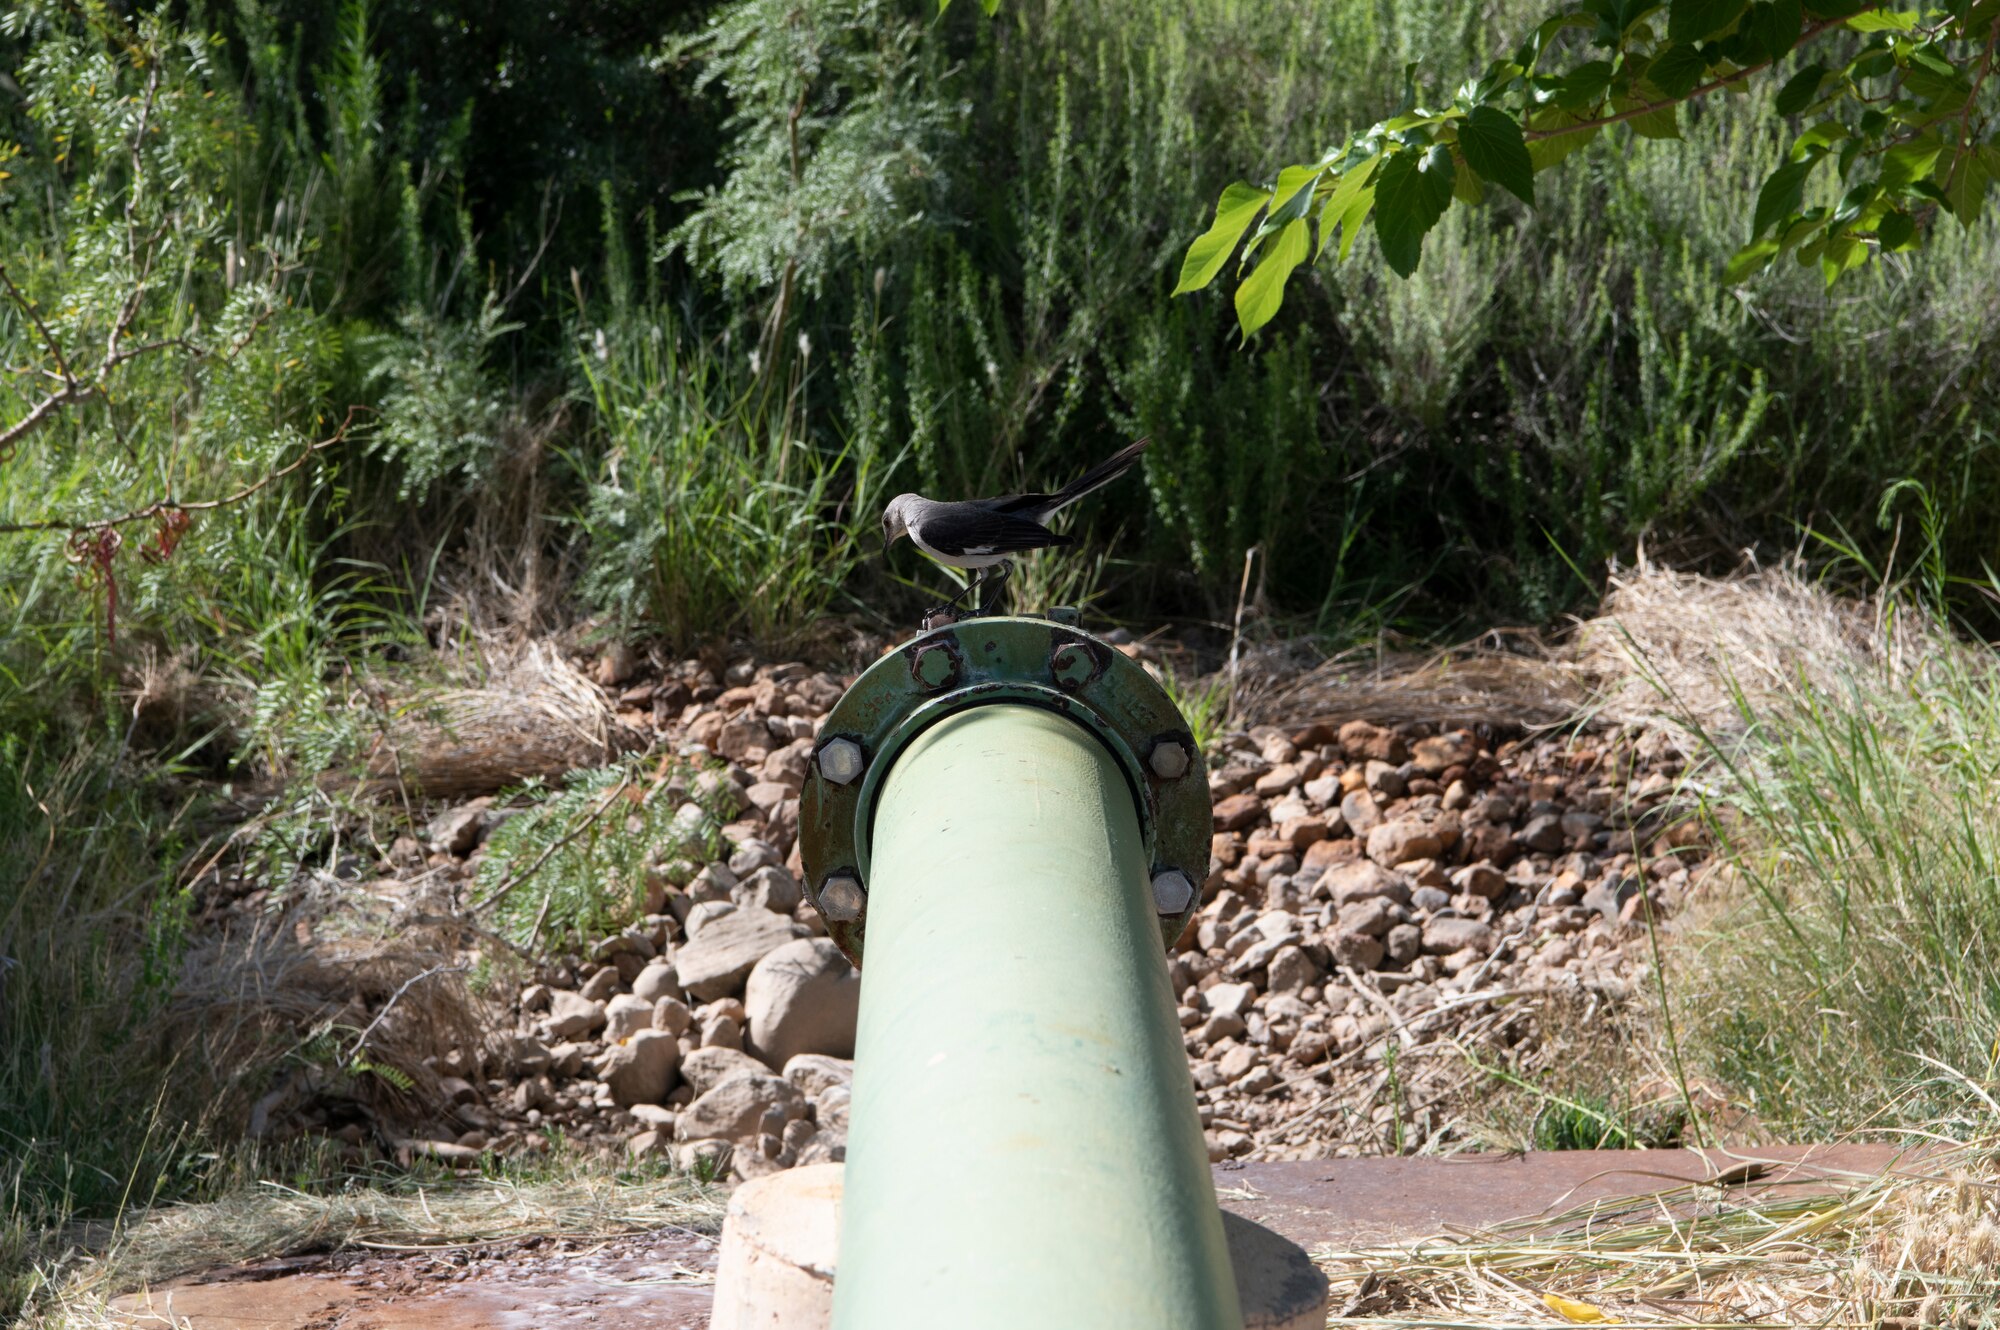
pixel 1911 1247
pixel 1526 686
pixel 532 714
pixel 1674 651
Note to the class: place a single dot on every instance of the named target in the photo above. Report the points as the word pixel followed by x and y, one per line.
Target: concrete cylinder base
pixel 782 1236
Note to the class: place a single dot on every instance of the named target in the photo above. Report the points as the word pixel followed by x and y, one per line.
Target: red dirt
pixel 660 1281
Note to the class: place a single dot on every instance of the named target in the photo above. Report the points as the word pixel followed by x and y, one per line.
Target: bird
pixel 978 535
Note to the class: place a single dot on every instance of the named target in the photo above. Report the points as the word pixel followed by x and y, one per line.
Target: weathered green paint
pixel 1024 1149
pixel 1039 661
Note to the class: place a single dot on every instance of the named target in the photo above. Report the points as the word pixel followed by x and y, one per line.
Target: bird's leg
pixel 950 607
pixel 995 586
pixel 977 581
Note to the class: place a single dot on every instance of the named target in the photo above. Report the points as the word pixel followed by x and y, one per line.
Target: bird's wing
pixel 965 528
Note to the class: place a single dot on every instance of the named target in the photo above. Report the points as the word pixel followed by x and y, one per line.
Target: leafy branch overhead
pixel 1889 131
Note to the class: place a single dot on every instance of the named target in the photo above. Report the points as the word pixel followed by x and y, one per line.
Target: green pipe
pixel 1024 1148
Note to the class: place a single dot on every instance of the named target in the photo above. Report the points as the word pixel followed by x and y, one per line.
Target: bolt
pixel 935 667
pixel 1169 759
pixel 1072 665
pixel 840 761
pixel 1172 891
pixel 841 898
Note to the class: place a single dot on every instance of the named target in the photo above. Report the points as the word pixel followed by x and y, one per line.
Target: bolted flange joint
pixel 1037 662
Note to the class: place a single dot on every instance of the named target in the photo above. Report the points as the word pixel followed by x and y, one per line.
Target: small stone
pixel 813 1073
pixel 770 888
pixel 706 1068
pixel 1384 781
pixel 1361 740
pixel 1399 842
pixel 1480 880
pixel 1281 779
pixel 1404 943
pixel 458 831
pixel 1236 1062
pixel 802 998
pixel 672 1015
pixel 1448 933
pixel 640 1070
pixel 572 1014
pixel 1360 811
pixel 1357 950
pixel 656 981
pixel 1231 999
pixel 1291 970
pixel 1361 880
pixel 1429 899
pixel 734 1110
pixel 1373 916
pixel 1543 834
pixel 651 1141
pixel 626 1015
pixel 1433 756
pixel 601 985
pixel 716 961
pixel 1238 811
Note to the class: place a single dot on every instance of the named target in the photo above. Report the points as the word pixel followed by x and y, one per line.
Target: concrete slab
pixel 660 1281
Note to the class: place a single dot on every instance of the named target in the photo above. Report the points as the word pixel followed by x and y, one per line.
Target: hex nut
pixel 841 898
pixel 1169 759
pixel 1072 665
pixel 1069 616
pixel 935 666
pixel 841 760
pixel 1173 891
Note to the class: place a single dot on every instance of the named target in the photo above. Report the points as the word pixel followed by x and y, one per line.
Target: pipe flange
pixel 1035 661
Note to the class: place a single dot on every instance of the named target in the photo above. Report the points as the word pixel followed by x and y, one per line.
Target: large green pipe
pixel 1024 1148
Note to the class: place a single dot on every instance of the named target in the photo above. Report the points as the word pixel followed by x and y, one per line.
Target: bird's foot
pixel 939 616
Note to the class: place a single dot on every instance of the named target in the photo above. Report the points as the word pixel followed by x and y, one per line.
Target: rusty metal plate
pixel 1034 661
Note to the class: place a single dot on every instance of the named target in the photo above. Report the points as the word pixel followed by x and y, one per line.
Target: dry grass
pixel 531 714
pixel 1676 651
pixel 1904 1249
pixel 269 1221
pixel 1476 683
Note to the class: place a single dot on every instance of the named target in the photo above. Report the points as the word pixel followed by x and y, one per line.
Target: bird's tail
pixel 1097 477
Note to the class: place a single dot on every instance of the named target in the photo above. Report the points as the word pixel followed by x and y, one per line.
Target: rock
pixel 1237 1062
pixel 1281 779
pixel 640 1070
pixel 1291 970
pixel 1361 740
pixel 1434 755
pixel 656 981
pixel 1384 781
pixel 1429 899
pixel 1231 999
pixel 715 882
pixel 1322 855
pixel 1358 950
pixel 572 1014
pixel 1543 834
pixel 1323 791
pixel 734 1110
pixel 813 1073
pixel 753 853
pixel 618 664
pixel 523 1054
pixel 1448 933
pixel 600 986
pixel 1238 811
pixel 705 913
pixel 1609 897
pixel 1404 943
pixel 651 1141
pixel 1480 880
pixel 626 1015
pixel 719 1029
pixel 458 831
pixel 1360 811
pixel 769 888
pixel 672 1015
pixel 1361 879
pixel 706 1068
pixel 802 998
pixel 1372 916
pixel 717 960
pixel 1399 842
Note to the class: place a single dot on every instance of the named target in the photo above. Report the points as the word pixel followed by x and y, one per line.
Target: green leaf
pixel 1349 187
pixel 1776 25
pixel 1800 90
pixel 1494 148
pixel 1884 20
pixel 1817 139
pixel 1751 258
pixel 1410 196
pixel 1584 85
pixel 1965 188
pixel 1676 70
pixel 1907 163
pixel 1260 294
pixel 1692 20
pixel 1660 124
pixel 1234 212
pixel 1546 152
pixel 1351 220
pixel 1781 195
pixel 1895 231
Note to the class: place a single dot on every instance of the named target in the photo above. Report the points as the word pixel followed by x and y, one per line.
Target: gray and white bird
pixel 978 534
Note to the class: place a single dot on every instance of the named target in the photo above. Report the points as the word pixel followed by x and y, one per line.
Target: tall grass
pixel 1852 982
